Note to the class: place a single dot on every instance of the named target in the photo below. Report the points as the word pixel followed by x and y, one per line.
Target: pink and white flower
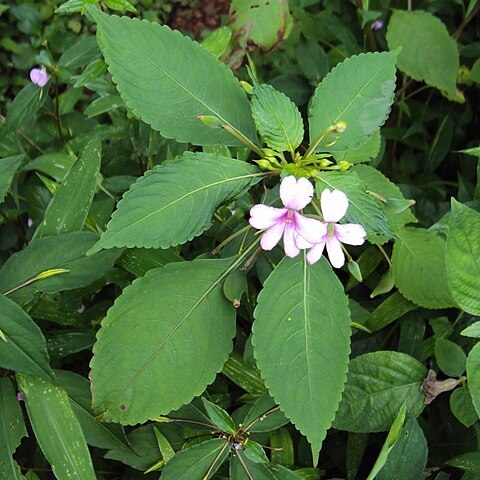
pixel 334 206
pixel 39 76
pixel 287 222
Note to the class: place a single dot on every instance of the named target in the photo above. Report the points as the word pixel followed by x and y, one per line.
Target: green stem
pixel 246 141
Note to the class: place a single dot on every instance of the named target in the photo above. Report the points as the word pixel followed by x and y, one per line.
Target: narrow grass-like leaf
pixel 175 202
pixel 186 335
pixel 56 428
pixel 301 339
pixel 12 430
pixel 358 91
pixel 68 209
pixel 169 91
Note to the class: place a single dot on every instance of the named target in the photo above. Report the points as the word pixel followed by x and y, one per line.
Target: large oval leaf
pixel 301 339
pixel 463 257
pixel 378 383
pixel 56 428
pixel 175 202
pixel 418 263
pixel 473 376
pixel 358 91
pixel 156 349
pixel 169 91
pixel 24 348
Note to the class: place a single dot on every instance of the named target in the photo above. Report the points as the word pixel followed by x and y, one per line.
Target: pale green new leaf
pixel 169 91
pixel 66 251
pixel 358 91
pixel 56 428
pixel 363 208
pixel 23 348
pixel 301 338
pixel 277 118
pixel 463 257
pixel 377 385
pixel 12 430
pixel 8 167
pixel 418 263
pixel 185 336
pixel 175 202
pixel 68 209
pixel 193 463
pixel 437 61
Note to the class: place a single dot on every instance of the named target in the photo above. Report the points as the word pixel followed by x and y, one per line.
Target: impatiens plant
pixel 211 262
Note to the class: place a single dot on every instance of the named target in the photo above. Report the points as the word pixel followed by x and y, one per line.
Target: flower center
pixel 289 218
pixel 331 230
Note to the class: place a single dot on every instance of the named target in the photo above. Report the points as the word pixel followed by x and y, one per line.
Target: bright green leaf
pixel 25 106
pixel 461 405
pixel 450 357
pixel 473 376
pixel 219 416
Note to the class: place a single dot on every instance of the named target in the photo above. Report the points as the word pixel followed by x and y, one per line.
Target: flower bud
pixel 264 164
pixel 210 121
pixel 341 126
pixel 344 165
pixel 247 87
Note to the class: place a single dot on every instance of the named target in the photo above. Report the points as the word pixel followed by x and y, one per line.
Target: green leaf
pixel 56 165
pixel 259 471
pixel 408 457
pixel 243 374
pixel 264 416
pixel 80 53
pixel 169 91
pixel 92 72
pixel 418 263
pixel 139 260
pixel 283 451
pixel 219 416
pixel 70 6
pixel 98 434
pixel 12 430
pixel 437 61
pixel 120 5
pixel 363 153
pixel 24 348
pixel 235 286
pixel 358 91
pixel 277 118
pixel 461 405
pixel 254 451
pixel 302 333
pixel 56 428
pixel 377 183
pixel 450 357
pixel 8 167
pixel 174 203
pixel 472 331
pixel 261 23
pixel 68 209
pixel 193 463
pixel 24 107
pixel 469 462
pixel 463 257
pixel 103 105
pixel 312 60
pixel 363 208
pixel 377 385
pixel 218 41
pixel 473 376
pixel 186 335
pixel 65 251
pixel 390 442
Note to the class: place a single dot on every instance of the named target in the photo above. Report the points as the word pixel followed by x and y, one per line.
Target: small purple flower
pixel 39 76
pixel 20 397
pixel 376 25
pixel 287 222
pixel 334 206
pixel 29 222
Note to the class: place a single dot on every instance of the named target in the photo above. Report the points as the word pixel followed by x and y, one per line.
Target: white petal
pixel 301 243
pixel 272 236
pixel 264 216
pixel 350 233
pixel 291 249
pixel 310 229
pixel 296 194
pixel 334 205
pixel 315 253
pixel 335 252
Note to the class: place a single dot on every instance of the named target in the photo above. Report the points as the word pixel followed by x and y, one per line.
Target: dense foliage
pixel 247 250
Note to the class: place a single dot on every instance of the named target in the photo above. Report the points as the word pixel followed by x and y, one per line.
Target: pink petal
pixel 272 236
pixel 315 253
pixel 296 194
pixel 334 205
pixel 38 76
pixel 350 233
pixel 264 216
pixel 310 229
pixel 301 243
pixel 291 249
pixel 335 252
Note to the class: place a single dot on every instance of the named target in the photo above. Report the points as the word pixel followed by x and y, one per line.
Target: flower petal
pixel 291 249
pixel 310 229
pixel 301 243
pixel 350 233
pixel 315 253
pixel 334 205
pixel 264 216
pixel 272 236
pixel 335 252
pixel 296 194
